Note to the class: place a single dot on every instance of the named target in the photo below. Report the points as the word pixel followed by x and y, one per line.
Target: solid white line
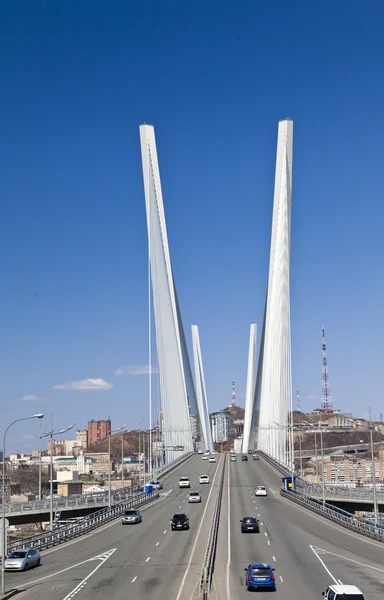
pixel 324 565
pixel 134 579
pixel 339 580
pixel 148 559
pixel 229 532
pixel 83 562
pixel 197 536
pixel 81 584
pixel 356 562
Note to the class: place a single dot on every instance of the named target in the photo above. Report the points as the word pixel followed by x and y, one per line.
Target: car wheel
pixel 38 562
pixel 249 589
pixel 25 567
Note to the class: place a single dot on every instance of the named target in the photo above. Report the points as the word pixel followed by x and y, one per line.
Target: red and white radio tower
pixel 233 395
pixel 326 400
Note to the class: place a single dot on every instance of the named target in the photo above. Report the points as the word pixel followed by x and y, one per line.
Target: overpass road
pixel 147 560
pixel 308 552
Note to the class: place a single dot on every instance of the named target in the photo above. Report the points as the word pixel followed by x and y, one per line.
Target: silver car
pixel 131 516
pixel 21 560
pixel 156 485
pixel 194 497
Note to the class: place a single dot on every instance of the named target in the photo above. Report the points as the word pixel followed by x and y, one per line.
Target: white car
pixel 204 479
pixel 261 490
pixel 212 459
pixel 184 482
pixel 233 458
pixel 194 497
pixel 200 452
pixel 337 592
pixel 204 457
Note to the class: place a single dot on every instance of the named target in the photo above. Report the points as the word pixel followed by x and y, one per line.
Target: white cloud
pixel 29 397
pixel 85 384
pixel 135 370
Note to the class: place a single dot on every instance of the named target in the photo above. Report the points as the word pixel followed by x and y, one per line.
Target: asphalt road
pixel 147 560
pixel 308 552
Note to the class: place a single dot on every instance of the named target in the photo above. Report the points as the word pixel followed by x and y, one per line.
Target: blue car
pixel 260 575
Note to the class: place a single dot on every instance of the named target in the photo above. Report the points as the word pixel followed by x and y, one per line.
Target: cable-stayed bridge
pixel 304 542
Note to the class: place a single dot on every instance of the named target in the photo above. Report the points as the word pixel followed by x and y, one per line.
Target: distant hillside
pixel 236 412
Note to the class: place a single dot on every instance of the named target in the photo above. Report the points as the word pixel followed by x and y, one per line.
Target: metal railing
pixel 339 516
pixel 210 554
pixel 69 502
pixel 45 540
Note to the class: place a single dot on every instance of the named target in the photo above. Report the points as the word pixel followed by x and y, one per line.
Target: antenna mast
pixel 326 399
pixel 233 395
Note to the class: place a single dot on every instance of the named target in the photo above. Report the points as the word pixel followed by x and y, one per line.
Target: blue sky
pixel 214 78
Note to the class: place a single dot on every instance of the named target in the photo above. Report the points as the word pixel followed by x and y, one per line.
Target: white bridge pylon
pixel 181 418
pixel 273 396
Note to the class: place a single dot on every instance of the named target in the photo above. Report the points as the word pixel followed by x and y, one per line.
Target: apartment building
pixel 341 469
pixel 98 430
pixel 221 425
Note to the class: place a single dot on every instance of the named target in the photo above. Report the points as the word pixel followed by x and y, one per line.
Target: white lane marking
pixel 104 556
pixel 165 531
pixel 134 579
pixel 257 513
pixel 157 543
pixel 198 533
pixel 281 579
pixel 274 558
pixel 356 562
pixel 265 533
pixel 229 532
pixel 269 543
pixel 261 522
pixel 148 559
pixel 339 580
pixel 84 581
pixel 323 563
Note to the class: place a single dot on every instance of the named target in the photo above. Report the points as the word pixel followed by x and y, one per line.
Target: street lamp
pixel 3 545
pixel 51 434
pixel 40 466
pixel 109 461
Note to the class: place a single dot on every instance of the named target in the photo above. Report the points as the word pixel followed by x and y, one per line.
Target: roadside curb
pixel 8 594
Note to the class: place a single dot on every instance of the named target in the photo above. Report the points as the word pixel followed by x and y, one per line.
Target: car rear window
pixel 184 479
pixel 194 494
pixel 261 572
pixel 250 520
pixel 260 487
pixel 130 513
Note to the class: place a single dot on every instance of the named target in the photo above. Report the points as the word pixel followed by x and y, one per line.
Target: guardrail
pixel 209 559
pixel 78 501
pixel 337 515
pixel 45 540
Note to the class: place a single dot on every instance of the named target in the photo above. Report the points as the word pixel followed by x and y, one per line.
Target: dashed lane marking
pixel 134 579
pixel 102 558
pixel 265 533
pixel 281 579
pixel 157 543
pixel 274 558
pixel 269 543
pixel 148 559
pixel 165 531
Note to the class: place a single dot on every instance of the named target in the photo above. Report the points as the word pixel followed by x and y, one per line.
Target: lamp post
pixel 373 468
pixel 3 545
pixel 109 462
pixel 322 462
pixel 51 434
pixel 40 466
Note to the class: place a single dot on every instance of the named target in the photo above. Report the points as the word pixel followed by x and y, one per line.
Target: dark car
pixel 245 457
pixel 179 521
pixel 249 525
pixel 259 575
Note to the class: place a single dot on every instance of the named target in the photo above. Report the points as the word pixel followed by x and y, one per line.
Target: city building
pixel 343 469
pixel 7 488
pixel 340 422
pixel 98 430
pixel 221 425
pixel 82 436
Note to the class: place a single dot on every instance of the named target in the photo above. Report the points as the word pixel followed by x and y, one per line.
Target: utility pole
pixel 373 468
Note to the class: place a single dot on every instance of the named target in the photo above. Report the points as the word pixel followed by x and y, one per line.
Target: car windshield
pixel 131 513
pixel 261 572
pixel 261 488
pixel 19 554
pixel 249 520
